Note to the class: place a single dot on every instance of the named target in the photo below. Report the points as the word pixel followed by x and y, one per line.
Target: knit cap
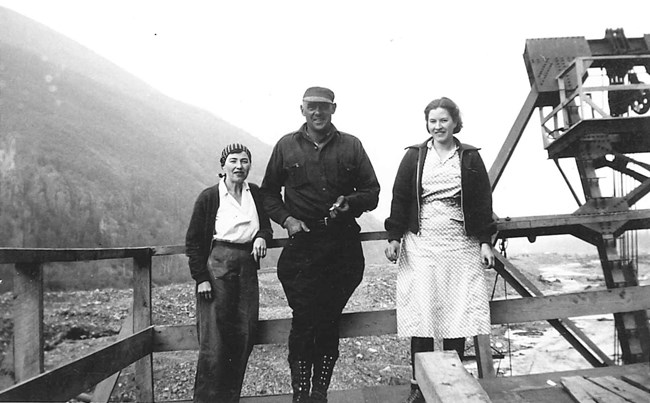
pixel 234 148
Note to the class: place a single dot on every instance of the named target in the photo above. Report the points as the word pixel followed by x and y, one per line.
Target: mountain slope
pixel 92 156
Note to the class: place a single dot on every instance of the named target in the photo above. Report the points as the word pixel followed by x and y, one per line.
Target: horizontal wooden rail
pixel 274 243
pixel 69 380
pixel 377 323
pixel 46 255
pixel 560 224
pixel 571 305
pixel 276 331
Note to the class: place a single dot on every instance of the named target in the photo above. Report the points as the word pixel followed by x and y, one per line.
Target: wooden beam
pixel 45 255
pixel 615 300
pixel 511 141
pixel 442 378
pixel 375 323
pixel 69 380
pixel 276 331
pixel 568 223
pixel 104 389
pixel 274 243
pixel 484 360
pixel 142 320
pixel 28 321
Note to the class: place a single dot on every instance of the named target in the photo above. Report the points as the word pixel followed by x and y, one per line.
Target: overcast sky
pixel 250 61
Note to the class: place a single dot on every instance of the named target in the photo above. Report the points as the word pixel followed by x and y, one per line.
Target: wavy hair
pixel 450 106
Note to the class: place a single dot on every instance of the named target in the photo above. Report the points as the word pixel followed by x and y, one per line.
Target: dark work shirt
pixel 314 175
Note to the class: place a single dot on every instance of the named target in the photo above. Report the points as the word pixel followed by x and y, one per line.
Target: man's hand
pixel 294 225
pixel 205 290
pixel 340 206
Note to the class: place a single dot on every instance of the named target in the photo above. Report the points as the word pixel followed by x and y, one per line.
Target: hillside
pixel 90 155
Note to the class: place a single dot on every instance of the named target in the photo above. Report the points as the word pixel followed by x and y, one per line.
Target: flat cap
pixel 318 94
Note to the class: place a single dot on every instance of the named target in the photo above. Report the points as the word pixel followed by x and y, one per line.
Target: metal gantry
pixel 593 107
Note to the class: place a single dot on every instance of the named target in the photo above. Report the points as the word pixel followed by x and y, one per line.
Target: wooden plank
pixel 621 388
pixel 584 391
pixel 69 380
pixel 104 389
pixel 274 243
pixel 500 385
pixel 44 255
pixel 484 360
pixel 641 381
pixel 576 389
pixel 28 321
pixel 174 338
pixel 540 395
pixel 615 300
pixel 443 379
pixel 276 331
pixel 142 320
pixel 514 135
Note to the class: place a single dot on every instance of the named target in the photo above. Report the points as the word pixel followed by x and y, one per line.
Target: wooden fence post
pixel 142 320
pixel 28 320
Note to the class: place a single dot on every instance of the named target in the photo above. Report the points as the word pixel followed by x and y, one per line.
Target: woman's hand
pixel 205 290
pixel 487 255
pixel 392 251
pixel 259 249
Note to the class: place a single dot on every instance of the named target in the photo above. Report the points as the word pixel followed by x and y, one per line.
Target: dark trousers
pixel 226 323
pixel 319 270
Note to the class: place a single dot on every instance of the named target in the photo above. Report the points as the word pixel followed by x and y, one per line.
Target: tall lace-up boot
pixel 416 395
pixel 300 382
pixel 323 369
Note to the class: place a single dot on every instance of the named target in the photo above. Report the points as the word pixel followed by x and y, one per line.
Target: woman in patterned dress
pixel 439 233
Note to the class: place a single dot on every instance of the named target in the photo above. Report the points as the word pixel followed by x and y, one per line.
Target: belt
pixel 320 223
pixel 245 246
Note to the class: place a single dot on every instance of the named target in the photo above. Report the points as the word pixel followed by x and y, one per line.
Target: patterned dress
pixel 441 286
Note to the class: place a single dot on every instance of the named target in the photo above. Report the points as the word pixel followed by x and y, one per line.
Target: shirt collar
pixel 430 144
pixel 224 190
pixel 303 132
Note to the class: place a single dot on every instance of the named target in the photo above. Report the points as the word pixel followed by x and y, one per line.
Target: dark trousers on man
pixel 226 323
pixel 319 270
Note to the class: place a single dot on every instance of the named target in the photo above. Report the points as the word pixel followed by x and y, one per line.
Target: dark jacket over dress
pixel 475 198
pixel 200 232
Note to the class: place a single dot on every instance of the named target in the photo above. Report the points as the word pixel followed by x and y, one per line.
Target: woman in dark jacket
pixel 225 241
pixel 439 232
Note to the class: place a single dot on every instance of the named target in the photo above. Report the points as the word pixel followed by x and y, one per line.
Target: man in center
pixel 328 182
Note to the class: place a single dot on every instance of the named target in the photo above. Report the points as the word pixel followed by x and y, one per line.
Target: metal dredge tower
pixel 593 108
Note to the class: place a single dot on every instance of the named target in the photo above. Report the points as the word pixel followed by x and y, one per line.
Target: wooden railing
pixel 78 376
